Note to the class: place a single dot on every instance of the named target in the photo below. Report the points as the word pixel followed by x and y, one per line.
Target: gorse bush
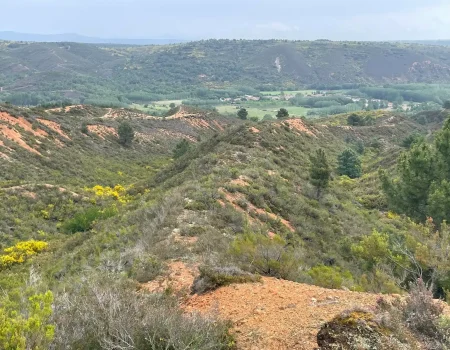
pixel 118 192
pixel 20 252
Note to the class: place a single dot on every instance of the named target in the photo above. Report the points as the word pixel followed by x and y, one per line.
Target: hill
pixel 115 74
pixel 101 234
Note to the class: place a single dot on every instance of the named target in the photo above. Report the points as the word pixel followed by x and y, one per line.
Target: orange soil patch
pixel 23 123
pixel 277 314
pixel 102 131
pixel 179 278
pixel 54 126
pixel 15 136
pixel 232 198
pixel 254 130
pixel 298 125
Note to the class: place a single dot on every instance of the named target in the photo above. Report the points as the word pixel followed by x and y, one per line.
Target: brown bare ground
pixel 23 123
pixel 102 131
pixel 297 124
pixel 179 279
pixel 54 126
pixel 15 136
pixel 254 130
pixel 277 314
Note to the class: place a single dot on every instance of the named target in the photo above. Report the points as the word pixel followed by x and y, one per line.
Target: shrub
pixel 264 255
pixel 105 314
pixel 85 220
pixel 211 278
pixel 145 269
pixel 20 252
pixel 27 326
pixel 330 277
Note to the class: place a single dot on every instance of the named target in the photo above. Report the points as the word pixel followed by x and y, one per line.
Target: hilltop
pixel 90 73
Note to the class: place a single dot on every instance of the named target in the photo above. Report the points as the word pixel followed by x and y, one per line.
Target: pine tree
pixel 349 164
pixel 319 171
pixel 126 134
pixel 409 193
pixel 283 113
pixel 242 114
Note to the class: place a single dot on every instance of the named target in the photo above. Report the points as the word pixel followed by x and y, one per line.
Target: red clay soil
pixel 15 136
pixel 23 123
pixel 297 124
pixel 54 126
pixel 269 315
pixel 277 314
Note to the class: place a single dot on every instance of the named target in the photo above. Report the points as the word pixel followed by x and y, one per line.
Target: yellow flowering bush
pixel 20 252
pixel 117 192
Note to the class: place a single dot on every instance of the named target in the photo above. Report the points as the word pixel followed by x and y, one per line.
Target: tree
pixel 172 105
pixel 349 164
pixel 319 171
pixel 409 194
pixel 446 104
pixel 242 114
pixel 126 134
pixel 181 148
pixel 283 113
pixel 267 117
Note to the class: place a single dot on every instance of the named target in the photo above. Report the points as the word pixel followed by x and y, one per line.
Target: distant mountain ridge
pixel 76 38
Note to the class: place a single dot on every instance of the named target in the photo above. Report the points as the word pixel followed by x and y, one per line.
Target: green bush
pixel 84 221
pixel 264 255
pixel 145 269
pixel 331 277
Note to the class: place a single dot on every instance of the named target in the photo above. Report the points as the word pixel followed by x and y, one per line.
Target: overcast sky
pixel 253 19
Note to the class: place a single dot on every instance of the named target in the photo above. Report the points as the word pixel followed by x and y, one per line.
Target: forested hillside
pixel 117 74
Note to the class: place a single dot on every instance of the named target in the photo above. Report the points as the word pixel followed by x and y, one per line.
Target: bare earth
pixel 270 315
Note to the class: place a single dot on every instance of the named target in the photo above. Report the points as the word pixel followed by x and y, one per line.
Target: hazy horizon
pixel 231 19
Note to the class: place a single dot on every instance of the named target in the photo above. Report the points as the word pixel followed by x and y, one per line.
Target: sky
pixel 246 19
